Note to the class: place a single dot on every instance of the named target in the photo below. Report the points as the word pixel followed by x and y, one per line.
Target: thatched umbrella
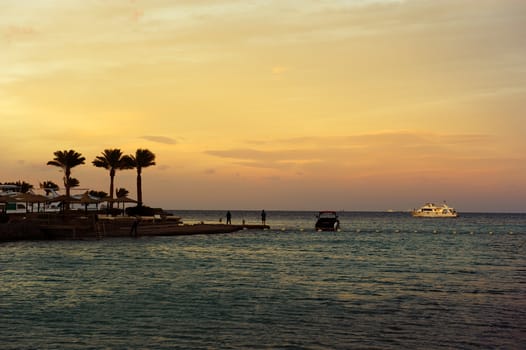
pixel 29 198
pixel 5 199
pixel 123 200
pixel 86 199
pixel 9 198
pixel 63 199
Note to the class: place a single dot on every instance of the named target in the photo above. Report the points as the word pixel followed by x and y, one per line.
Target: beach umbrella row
pixel 25 198
pixel 85 199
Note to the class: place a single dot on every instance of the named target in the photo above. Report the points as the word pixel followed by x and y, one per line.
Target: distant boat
pixel 430 210
pixel 327 221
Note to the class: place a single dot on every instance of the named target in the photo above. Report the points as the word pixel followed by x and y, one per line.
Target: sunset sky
pixel 275 104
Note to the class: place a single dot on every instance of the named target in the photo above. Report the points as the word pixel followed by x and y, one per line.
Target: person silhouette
pixel 263 217
pixel 133 231
pixel 228 218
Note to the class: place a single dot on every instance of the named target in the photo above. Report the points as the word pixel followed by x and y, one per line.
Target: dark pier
pixel 71 227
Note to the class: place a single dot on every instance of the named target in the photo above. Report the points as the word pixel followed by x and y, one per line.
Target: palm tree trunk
pixel 67 174
pixel 112 176
pixel 139 188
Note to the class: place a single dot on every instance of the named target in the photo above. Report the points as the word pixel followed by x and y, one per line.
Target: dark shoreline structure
pixel 74 226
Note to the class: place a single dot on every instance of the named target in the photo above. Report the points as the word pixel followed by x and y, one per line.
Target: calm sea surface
pixel 385 281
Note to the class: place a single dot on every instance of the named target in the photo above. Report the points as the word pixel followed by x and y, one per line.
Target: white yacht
pixel 431 210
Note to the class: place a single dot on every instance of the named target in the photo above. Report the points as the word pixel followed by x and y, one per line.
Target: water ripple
pixel 270 289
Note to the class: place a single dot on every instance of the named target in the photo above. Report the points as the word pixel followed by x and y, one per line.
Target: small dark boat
pixel 327 221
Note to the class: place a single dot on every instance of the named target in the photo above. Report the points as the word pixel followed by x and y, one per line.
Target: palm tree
pixel 72 182
pixel 49 186
pixel 121 192
pixel 112 160
pixel 143 158
pixel 22 186
pixel 66 160
pixel 98 194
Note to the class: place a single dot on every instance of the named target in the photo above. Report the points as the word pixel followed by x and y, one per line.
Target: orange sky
pixel 290 104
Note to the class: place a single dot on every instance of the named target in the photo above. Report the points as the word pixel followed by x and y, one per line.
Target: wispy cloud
pixel 398 137
pixel 384 150
pixel 15 32
pixel 264 155
pixel 163 167
pixel 160 139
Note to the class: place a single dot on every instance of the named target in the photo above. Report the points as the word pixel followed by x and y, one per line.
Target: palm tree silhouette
pixel 66 160
pixel 121 192
pixel 49 186
pixel 143 158
pixel 112 160
pixel 73 182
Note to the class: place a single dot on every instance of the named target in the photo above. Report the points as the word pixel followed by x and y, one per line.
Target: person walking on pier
pixel 228 218
pixel 263 217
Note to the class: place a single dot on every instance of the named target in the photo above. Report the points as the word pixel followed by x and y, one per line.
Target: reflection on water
pixel 432 285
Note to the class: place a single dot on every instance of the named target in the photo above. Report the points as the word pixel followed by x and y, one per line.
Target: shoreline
pixel 92 227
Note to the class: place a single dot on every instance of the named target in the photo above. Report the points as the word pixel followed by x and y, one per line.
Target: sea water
pixel 384 281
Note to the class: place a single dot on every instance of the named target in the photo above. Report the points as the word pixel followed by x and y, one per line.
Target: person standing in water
pixel 228 218
pixel 263 217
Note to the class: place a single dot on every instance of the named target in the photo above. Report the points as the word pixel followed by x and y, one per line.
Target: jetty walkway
pixel 68 227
